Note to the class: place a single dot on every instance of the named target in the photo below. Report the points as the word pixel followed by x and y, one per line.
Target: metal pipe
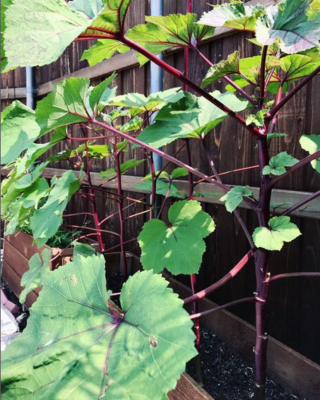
pixel 156 74
pixel 30 92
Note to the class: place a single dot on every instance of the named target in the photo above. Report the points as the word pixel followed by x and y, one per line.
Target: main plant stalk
pixel 262 286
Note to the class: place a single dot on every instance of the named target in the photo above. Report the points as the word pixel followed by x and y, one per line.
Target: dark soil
pixel 226 376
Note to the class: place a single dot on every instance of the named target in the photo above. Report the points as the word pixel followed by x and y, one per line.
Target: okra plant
pixel 78 343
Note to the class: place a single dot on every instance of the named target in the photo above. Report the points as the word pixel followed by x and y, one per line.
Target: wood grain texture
pixel 188 389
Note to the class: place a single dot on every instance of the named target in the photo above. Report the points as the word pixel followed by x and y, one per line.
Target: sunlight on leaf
pixel 311 144
pixel 295 22
pixel 75 334
pixel 178 246
pixel 278 164
pixel 280 230
pixel 235 196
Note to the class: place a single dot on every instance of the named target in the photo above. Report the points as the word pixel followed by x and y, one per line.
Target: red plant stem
pixel 154 188
pixel 273 122
pixel 92 28
pixel 89 36
pixel 261 271
pixel 177 74
pixel 289 96
pixel 169 158
pixel 118 245
pixel 174 160
pixel 165 199
pixel 91 229
pixel 262 76
pixel 226 78
pixel 77 214
pixel 124 208
pixel 219 308
pixel 233 272
pixel 86 139
pixel 136 215
pixel 268 79
pixel 228 172
pixel 120 213
pixel 193 277
pixel 94 204
pixel 236 212
pixel 293 275
pixel 299 164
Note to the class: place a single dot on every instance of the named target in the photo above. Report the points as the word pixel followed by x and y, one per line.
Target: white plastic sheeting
pixel 9 327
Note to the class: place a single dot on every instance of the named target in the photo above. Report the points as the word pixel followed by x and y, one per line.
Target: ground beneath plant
pixel 226 376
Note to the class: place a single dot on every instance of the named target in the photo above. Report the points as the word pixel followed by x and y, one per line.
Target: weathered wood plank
pixel 188 389
pixel 13 93
pixel 312 210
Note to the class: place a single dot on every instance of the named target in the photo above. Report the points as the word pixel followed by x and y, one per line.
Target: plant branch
pixel 219 308
pixel 236 212
pixel 226 78
pixel 262 76
pixel 292 275
pixel 301 203
pixel 167 157
pixel 120 213
pixel 235 270
pixel 297 166
pixel 177 74
pixel 289 96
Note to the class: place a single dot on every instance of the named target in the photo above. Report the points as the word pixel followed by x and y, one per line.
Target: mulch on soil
pixel 226 376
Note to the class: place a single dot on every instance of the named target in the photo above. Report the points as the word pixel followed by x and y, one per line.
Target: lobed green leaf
pixel 311 144
pixel 280 230
pixel 178 246
pixel 78 344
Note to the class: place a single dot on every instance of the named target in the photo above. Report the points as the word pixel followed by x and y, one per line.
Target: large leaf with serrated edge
pixel 103 50
pixel 280 230
pixel 37 32
pixel 38 270
pixel 90 8
pixel 19 130
pixel 178 246
pixel 295 22
pixel 190 117
pixel 234 15
pixel 223 68
pixel 79 345
pixel 163 33
pixel 65 105
pixel 4 6
pixel 46 220
pixel 138 103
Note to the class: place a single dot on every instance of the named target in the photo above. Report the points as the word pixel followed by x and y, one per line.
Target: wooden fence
pixel 294 311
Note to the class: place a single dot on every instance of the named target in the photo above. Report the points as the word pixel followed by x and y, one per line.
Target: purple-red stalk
pixel 301 203
pixel 234 271
pixel 120 213
pixel 219 308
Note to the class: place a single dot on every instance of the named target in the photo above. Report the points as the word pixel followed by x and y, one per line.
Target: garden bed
pixel 18 249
